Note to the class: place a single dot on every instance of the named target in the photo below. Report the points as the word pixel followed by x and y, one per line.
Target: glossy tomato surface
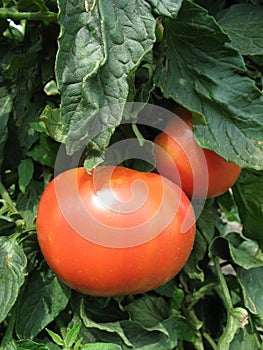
pixel 200 172
pixel 116 231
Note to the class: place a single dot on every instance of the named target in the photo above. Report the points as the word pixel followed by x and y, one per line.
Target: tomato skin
pixel 200 172
pixel 109 271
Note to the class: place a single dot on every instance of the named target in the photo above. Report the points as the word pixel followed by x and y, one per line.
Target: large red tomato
pixel 116 231
pixel 200 172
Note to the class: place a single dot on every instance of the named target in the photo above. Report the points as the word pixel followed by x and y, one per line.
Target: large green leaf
pixel 12 273
pixel 202 72
pixel 99 47
pixel 43 299
pixel 244 24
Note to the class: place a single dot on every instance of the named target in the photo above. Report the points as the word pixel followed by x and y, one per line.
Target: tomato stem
pixel 222 281
pixel 33 16
pixel 210 341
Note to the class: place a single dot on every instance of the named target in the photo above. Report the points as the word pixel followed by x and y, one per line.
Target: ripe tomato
pixel 116 231
pixel 200 172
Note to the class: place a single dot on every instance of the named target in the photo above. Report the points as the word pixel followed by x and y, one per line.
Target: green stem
pixel 236 317
pixel 9 331
pixel 32 16
pixel 222 281
pixel 210 341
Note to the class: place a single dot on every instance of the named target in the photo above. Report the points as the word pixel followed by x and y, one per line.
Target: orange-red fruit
pixel 80 216
pixel 200 172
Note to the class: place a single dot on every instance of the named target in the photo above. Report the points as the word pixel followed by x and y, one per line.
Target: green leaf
pixel 252 285
pixel 243 251
pixel 101 346
pixel 43 299
pixel 203 73
pixel 52 119
pixel 99 47
pixel 72 334
pixel 246 338
pixel 30 345
pixel 5 109
pixel 27 203
pixel 191 268
pixel 149 312
pixel 45 151
pixel 248 194
pixel 55 337
pixel 244 24
pixel 25 173
pixel 12 273
pixel 166 8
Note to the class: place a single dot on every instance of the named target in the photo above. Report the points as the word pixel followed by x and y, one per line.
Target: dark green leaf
pixel 27 203
pixel 149 312
pixel 166 8
pixel 204 74
pixel 99 47
pixel 244 24
pixel 5 109
pixel 25 173
pixel 206 222
pixel 245 339
pixel 248 194
pixel 191 268
pixel 251 282
pixel 45 151
pixel 244 252
pixel 43 299
pixel 30 345
pixel 101 346
pixel 12 273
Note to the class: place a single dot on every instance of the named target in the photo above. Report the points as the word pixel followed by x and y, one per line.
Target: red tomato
pixel 200 172
pixel 116 231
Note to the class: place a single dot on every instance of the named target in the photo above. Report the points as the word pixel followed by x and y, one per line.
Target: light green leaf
pixel 43 299
pixel 25 173
pixel 244 24
pixel 55 337
pixel 203 73
pixel 100 45
pixel 72 334
pixel 12 273
pixel 52 119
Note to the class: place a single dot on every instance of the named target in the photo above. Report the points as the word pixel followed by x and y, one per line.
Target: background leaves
pixel 60 63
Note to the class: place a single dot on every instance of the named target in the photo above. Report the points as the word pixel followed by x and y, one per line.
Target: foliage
pixel 63 61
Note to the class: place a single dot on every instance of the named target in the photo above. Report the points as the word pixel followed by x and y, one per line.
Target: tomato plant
pixel 200 172
pixel 101 268
pixel 89 85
